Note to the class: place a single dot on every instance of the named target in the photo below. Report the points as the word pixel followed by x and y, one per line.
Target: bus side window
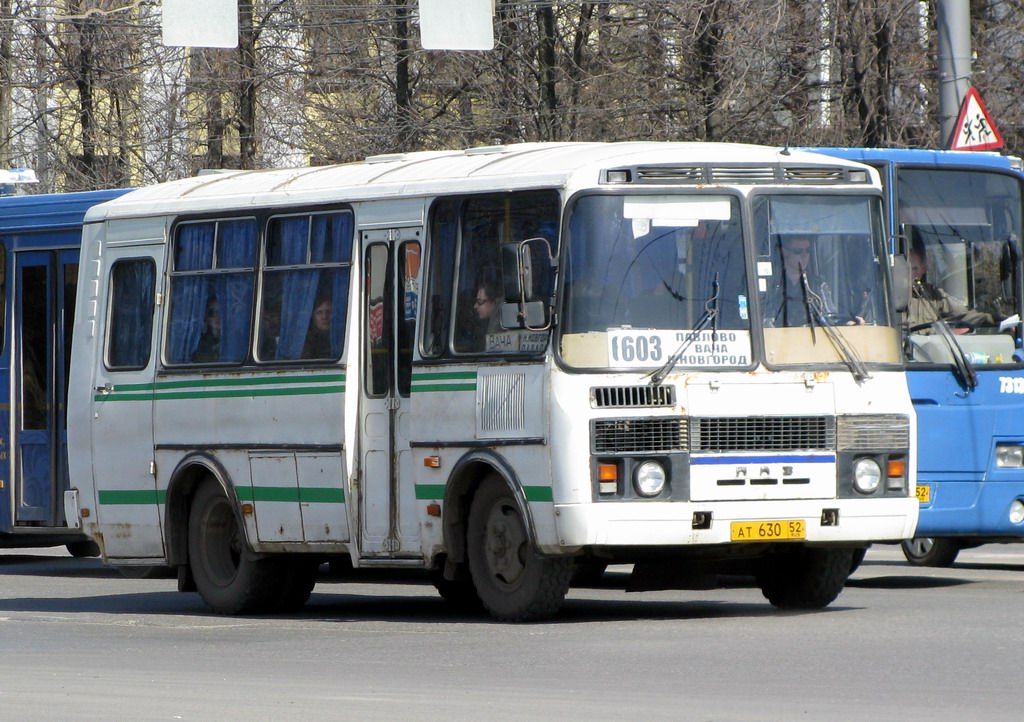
pixel 440 278
pixel 305 287
pixel 3 294
pixel 130 329
pixel 212 286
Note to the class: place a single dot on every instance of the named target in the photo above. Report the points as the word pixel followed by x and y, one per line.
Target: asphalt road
pixel 79 641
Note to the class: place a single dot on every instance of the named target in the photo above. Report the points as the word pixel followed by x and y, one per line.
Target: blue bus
pixel 40 236
pixel 957 217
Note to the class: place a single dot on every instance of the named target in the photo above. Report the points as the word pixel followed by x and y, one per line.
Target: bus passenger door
pixel 128 504
pixel 390 295
pixel 44 309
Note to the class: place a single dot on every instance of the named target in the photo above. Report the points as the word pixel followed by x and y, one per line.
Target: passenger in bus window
pixel 318 338
pixel 270 331
pixel 209 343
pixel 929 303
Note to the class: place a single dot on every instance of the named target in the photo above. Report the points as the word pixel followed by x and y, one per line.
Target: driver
pixel 786 303
pixel 929 303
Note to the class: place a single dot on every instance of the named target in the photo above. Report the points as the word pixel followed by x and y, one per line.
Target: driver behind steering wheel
pixel 929 303
pixel 786 303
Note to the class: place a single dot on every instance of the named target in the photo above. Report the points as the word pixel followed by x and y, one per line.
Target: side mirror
pixel 901 282
pixel 527 269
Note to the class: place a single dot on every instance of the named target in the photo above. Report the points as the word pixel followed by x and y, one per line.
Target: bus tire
pixel 807 578
pixel 82 549
pixel 514 583
pixel 229 577
pixel 930 551
pixel 858 558
pixel 459 593
pixel 300 573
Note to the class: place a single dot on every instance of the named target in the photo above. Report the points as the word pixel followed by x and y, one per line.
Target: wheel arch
pixel 191 471
pixel 469 473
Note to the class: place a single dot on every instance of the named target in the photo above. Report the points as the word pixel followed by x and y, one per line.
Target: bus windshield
pixel 652 263
pixel 642 273
pixel 963 230
pixel 821 262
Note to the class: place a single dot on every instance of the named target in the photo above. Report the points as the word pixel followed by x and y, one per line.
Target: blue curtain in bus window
pixel 131 315
pixel 332 243
pixel 298 288
pixel 236 248
pixel 193 252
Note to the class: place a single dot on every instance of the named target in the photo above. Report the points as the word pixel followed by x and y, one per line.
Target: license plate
pixel 924 493
pixel 742 531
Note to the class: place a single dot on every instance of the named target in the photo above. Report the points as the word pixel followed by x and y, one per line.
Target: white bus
pixel 498 365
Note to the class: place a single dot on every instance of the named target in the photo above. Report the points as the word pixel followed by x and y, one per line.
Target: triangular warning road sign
pixel 974 128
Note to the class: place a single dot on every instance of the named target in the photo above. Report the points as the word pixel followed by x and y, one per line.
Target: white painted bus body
pixel 314 465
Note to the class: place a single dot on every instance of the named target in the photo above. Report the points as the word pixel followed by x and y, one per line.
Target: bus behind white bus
pixel 501 366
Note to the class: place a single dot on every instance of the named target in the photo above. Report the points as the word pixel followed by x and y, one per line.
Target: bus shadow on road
pixel 44 566
pixel 164 603
pixel 906 582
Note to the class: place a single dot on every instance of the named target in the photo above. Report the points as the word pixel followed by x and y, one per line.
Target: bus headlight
pixel 649 479
pixel 1009 456
pixel 1017 511
pixel 867 475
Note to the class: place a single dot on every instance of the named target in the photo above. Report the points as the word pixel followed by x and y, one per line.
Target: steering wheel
pixel 922 326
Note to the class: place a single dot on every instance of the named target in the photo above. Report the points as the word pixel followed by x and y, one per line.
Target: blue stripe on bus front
pixel 788 459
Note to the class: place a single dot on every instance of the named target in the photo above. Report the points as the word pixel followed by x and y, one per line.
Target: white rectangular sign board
pixel 200 23
pixel 457 24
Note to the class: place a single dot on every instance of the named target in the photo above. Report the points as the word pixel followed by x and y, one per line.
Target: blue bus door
pixel 44 310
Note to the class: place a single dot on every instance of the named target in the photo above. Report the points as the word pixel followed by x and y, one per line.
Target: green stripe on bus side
pixel 319 495
pixel 539 493
pixel 220 393
pixel 444 376
pixel 443 387
pixel 441 381
pixel 436 491
pixel 250 381
pixel 133 496
pixel 429 491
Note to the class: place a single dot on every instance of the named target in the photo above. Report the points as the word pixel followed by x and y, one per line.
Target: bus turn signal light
pixel 608 478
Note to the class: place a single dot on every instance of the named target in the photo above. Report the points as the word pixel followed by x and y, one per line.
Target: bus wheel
pixel 808 578
pixel 460 594
pixel 930 551
pixel 858 557
pixel 80 549
pixel 515 584
pixel 300 575
pixel 230 578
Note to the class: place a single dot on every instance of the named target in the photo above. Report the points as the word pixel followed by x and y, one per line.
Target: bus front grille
pixel 639 436
pixel 610 397
pixel 762 433
pixel 874 432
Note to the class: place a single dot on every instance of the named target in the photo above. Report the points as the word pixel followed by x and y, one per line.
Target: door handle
pixel 105 388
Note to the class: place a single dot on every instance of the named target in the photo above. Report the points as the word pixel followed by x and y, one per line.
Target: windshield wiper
pixel 708 318
pixel 961 363
pixel 816 311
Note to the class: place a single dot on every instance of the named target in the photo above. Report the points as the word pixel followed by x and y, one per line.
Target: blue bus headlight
pixel 1017 511
pixel 867 475
pixel 649 479
pixel 1009 456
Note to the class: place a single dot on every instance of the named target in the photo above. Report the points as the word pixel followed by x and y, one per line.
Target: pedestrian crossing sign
pixel 974 128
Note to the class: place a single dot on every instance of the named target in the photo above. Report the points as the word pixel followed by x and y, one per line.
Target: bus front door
pixel 388 521
pixel 44 310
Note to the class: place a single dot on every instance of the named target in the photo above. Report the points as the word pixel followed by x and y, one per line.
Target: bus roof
pixel 514 167
pixel 50 211
pixel 924 156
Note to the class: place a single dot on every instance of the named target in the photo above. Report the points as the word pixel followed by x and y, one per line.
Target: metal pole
pixel 953 24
